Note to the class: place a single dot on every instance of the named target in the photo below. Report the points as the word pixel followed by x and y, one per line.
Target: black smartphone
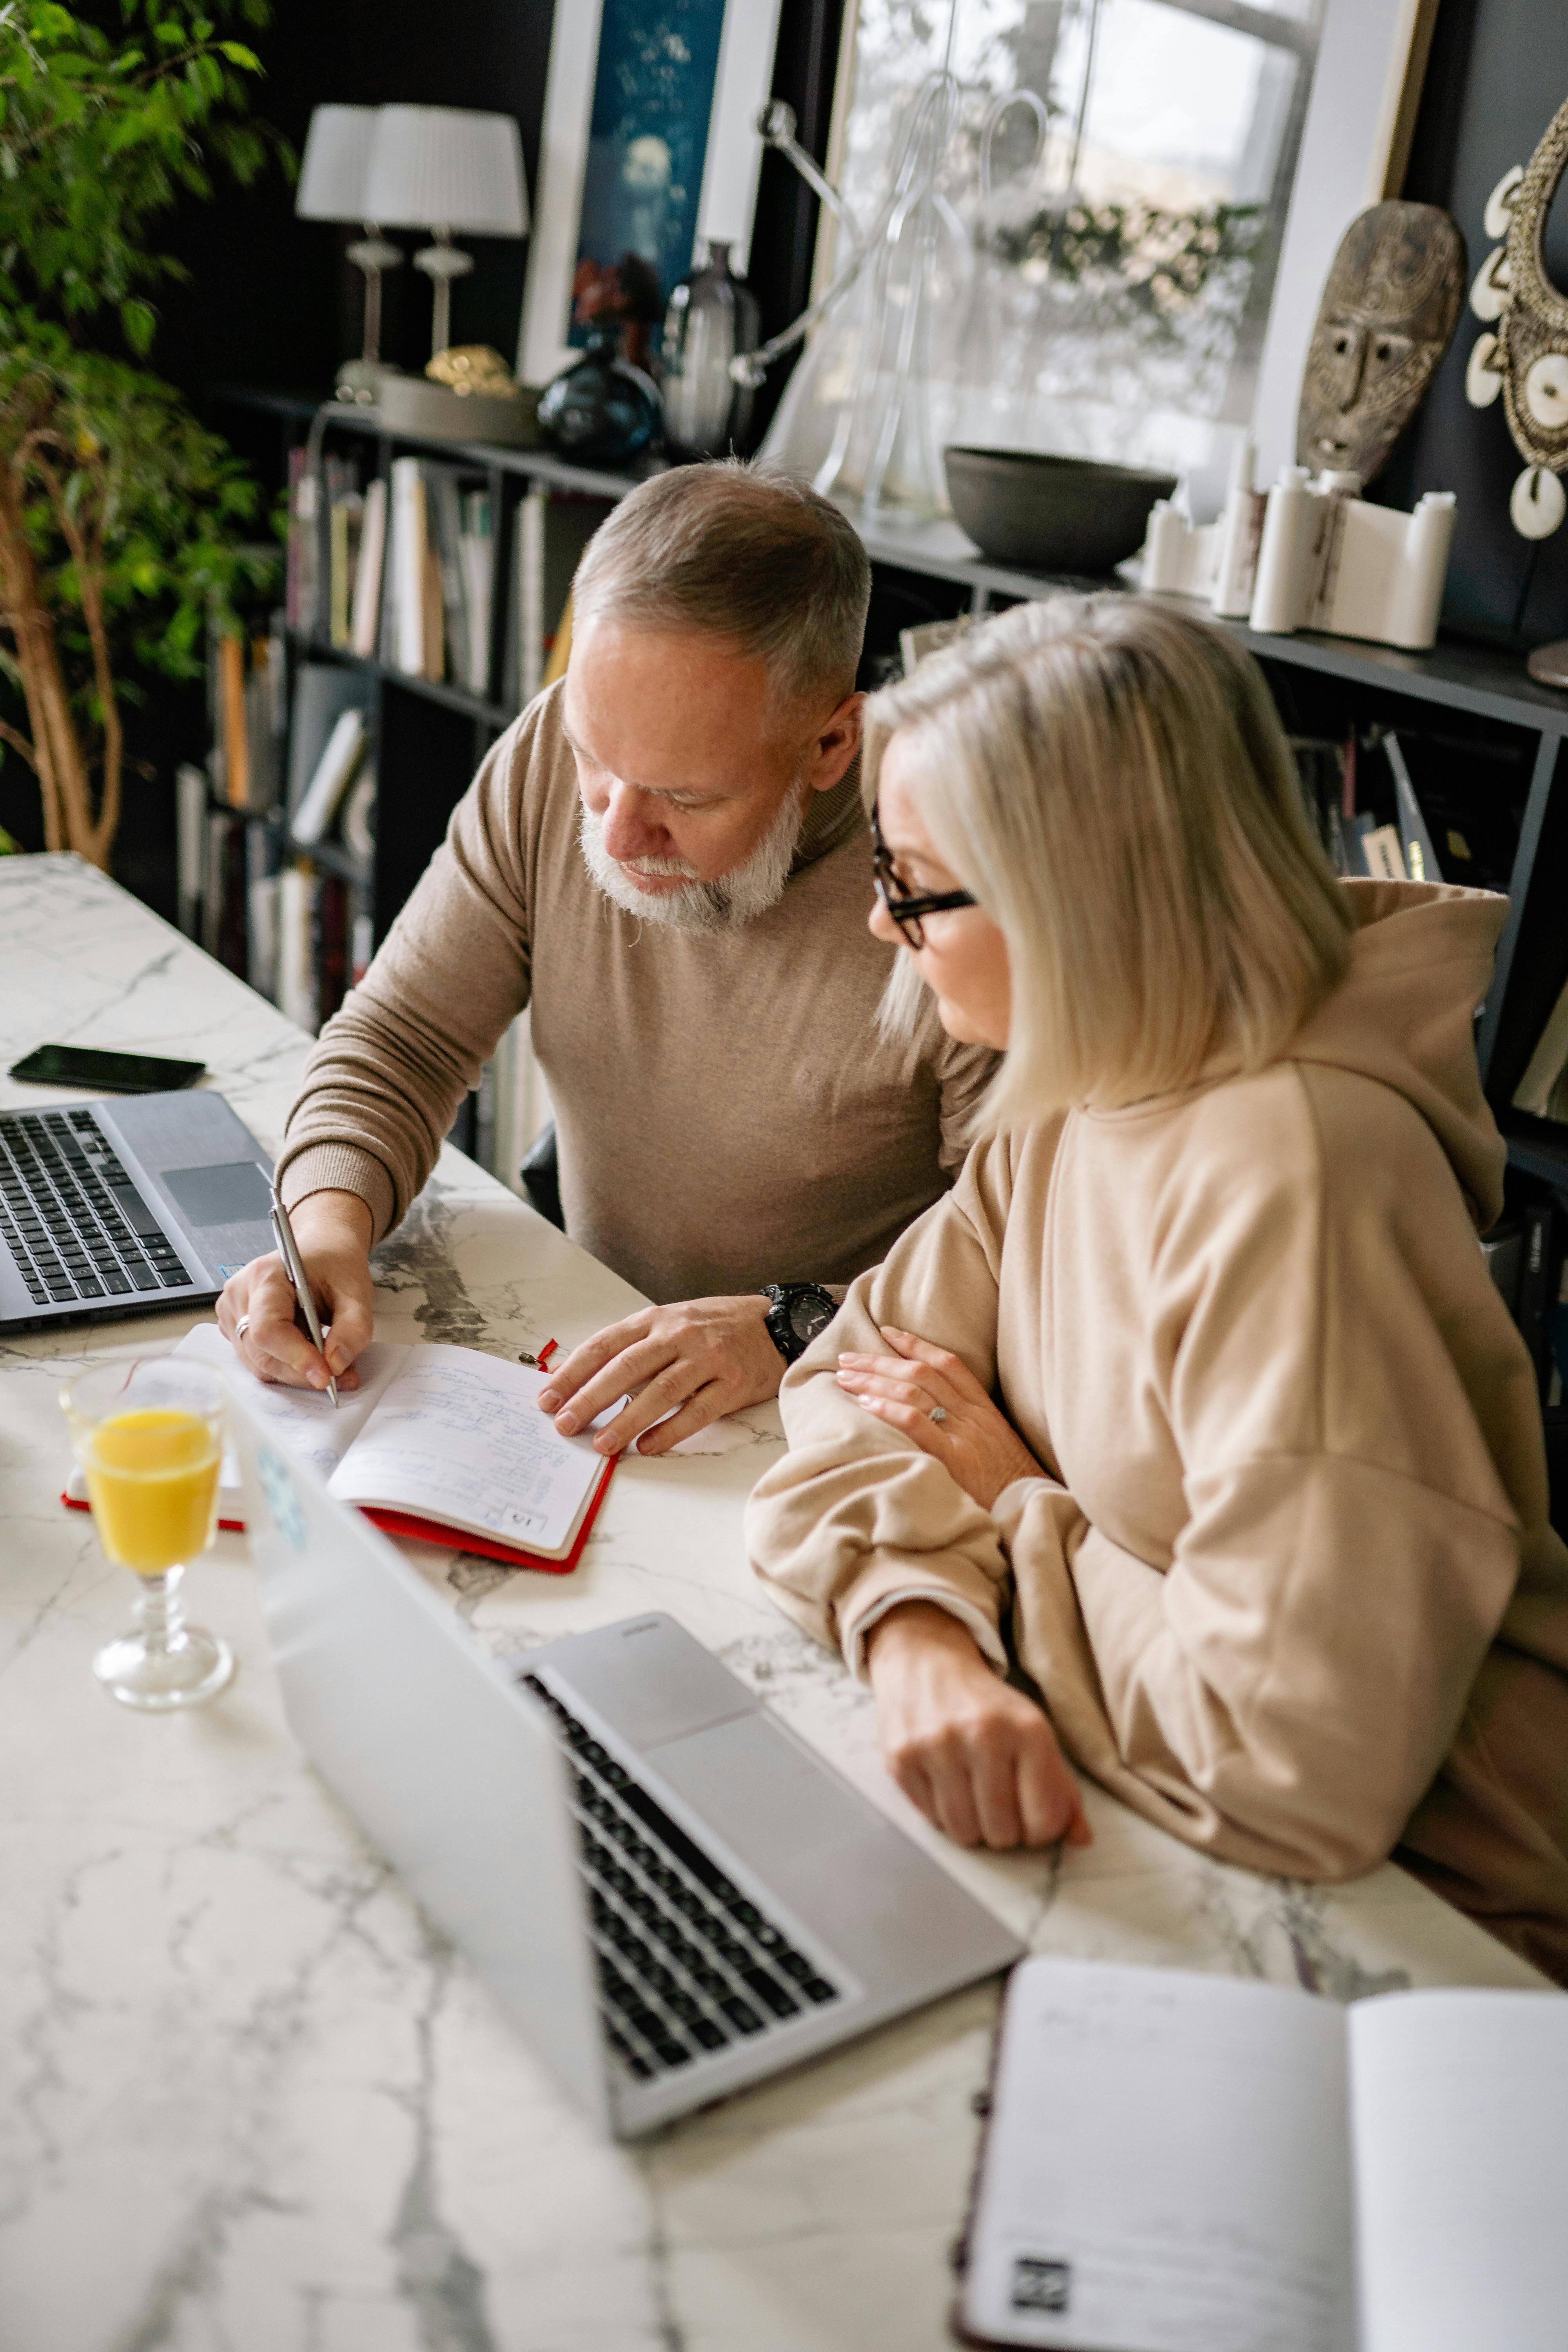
pixel 115 1073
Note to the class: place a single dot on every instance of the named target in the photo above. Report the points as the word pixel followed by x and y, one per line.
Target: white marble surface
pixel 249 2102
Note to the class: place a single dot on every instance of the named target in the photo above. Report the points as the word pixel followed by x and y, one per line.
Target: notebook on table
pixel 1205 2164
pixel 438 1443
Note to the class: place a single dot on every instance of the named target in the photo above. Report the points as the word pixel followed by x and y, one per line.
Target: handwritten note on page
pixel 461 1436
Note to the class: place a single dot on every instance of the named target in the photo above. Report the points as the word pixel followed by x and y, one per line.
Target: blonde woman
pixel 1195 1384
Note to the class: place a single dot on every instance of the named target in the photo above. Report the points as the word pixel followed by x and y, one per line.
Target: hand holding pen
pixel 288 1250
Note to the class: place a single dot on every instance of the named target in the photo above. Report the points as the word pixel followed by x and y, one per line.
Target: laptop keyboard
pixel 688 1966
pixel 70 1216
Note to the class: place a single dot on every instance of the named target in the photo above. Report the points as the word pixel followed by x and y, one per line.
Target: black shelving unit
pixel 432 737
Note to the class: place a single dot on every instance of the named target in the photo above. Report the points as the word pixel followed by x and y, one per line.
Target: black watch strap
pixel 799 1310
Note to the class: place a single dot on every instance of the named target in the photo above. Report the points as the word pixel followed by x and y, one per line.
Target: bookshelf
pixel 1491 737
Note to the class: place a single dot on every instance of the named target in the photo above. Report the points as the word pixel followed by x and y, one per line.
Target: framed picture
pixel 649 141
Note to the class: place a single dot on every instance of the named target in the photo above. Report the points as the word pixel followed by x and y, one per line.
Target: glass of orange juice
pixel 149 1437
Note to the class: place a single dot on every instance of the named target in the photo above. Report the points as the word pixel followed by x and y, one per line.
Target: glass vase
pixel 601 411
pixel 712 317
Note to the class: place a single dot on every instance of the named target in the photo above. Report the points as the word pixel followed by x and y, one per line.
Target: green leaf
pixel 140 322
pixel 238 55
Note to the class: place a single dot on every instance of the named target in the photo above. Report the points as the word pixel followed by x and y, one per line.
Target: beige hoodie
pixel 1288 1585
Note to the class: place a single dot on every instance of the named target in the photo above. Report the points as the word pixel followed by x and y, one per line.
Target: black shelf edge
pixel 453 698
pixel 1456 674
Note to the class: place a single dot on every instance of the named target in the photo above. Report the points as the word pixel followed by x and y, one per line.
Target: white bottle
pixel 1240 536
pixel 1164 548
pixel 1418 598
pixel 1289 524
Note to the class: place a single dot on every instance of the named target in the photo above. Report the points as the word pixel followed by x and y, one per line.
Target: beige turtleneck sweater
pixel 728 1115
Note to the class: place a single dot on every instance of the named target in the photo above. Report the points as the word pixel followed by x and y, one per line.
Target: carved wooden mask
pixel 1388 313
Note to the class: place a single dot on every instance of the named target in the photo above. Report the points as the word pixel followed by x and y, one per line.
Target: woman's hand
pixel 973 1439
pixel 979 1759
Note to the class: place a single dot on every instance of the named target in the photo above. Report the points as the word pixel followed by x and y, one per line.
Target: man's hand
pixel 707 1357
pixel 334 1232
pixel 972 1439
pixel 978 1757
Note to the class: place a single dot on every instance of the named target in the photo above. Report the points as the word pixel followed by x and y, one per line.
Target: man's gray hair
pixel 747 554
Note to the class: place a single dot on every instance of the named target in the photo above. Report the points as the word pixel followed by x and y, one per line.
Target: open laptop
pixel 127 1207
pixel 671 1893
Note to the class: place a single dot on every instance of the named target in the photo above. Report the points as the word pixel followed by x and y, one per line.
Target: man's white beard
pixel 726 905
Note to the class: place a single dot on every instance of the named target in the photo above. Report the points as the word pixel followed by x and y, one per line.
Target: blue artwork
pixel 658 61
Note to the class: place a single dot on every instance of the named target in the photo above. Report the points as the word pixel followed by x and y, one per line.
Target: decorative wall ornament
pixel 1390 306
pixel 1526 360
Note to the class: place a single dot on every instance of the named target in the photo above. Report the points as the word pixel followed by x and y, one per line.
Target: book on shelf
pixel 364 622
pixel 323 692
pixel 334 771
pixel 303 560
pixel 1176 2161
pixel 261 862
pixel 550 532
pixel 1543 1089
pixel 191 794
pixel 296 995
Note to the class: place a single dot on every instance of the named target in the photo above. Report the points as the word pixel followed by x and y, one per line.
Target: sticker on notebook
pixel 1039 2284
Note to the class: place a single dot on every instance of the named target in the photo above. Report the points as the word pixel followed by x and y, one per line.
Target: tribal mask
pixel 1389 310
pixel 1526 360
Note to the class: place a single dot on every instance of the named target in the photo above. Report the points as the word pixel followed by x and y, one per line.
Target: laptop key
pixel 817 1989
pixel 740 2013
pixel 710 2035
pixel 771 1993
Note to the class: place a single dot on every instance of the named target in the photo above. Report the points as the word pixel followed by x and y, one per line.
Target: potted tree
pixel 122 521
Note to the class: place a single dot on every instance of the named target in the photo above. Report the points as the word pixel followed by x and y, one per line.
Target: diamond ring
pixel 938 1413
pixel 242 1327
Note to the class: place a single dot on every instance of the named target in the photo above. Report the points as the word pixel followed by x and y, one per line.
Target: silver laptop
pixel 671 1893
pixel 125 1208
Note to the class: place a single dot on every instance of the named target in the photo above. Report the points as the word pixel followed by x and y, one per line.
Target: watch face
pixel 808 1315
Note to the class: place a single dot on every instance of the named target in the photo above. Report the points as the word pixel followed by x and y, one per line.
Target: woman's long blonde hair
pixel 1111 781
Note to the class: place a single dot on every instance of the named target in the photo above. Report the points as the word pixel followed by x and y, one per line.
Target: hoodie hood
pixel 1421 962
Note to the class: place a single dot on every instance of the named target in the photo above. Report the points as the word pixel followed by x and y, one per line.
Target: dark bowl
pixel 1051 514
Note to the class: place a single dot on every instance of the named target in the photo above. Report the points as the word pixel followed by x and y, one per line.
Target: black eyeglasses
pixel 907 906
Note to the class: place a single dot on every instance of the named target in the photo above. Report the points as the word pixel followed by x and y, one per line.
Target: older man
pixel 666 859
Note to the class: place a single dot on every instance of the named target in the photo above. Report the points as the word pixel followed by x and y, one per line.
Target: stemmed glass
pixel 149 1437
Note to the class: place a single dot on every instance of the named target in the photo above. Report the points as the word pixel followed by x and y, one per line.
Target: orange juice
pixel 152 1479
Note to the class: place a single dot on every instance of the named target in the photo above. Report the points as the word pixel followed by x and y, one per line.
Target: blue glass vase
pixel 601 411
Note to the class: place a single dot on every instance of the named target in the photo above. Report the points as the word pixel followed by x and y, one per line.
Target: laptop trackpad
pixel 236 1193
pixel 767 1798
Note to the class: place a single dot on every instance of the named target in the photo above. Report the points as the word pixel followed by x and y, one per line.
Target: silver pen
pixel 288 1250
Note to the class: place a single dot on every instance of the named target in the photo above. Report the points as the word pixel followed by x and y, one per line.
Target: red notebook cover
pixel 399 1523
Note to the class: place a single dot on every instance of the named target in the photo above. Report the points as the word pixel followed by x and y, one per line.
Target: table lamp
pixel 447 169
pixel 332 188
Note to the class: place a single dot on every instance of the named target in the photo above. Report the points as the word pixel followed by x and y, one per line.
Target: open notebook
pixel 1202 2163
pixel 437 1442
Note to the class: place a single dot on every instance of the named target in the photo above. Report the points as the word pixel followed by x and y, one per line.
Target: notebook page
pixel 1459 2139
pixel 303 1419
pixel 461 1436
pixel 1166 2167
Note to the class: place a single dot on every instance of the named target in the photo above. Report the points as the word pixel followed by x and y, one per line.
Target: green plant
pixel 121 519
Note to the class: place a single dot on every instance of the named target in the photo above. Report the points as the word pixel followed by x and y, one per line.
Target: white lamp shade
pixel 447 167
pixel 333 172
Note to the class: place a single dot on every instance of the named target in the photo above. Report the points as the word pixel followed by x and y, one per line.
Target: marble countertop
pixel 251 2101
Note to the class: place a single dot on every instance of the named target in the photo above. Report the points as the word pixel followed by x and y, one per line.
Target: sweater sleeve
pixel 1282 1690
pixel 390 1067
pixel 856 1517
